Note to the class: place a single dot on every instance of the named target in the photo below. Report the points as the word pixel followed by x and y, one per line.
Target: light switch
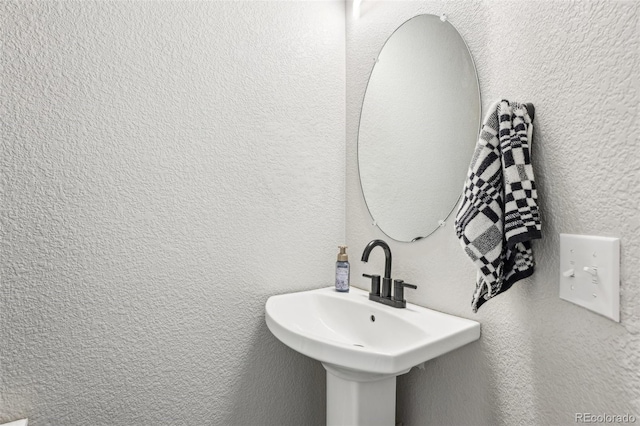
pixel 590 273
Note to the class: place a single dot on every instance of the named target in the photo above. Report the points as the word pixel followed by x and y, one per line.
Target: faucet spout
pixel 387 255
pixel 385 292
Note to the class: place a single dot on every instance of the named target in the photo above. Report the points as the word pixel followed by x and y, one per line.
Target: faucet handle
pixel 375 284
pixel 398 289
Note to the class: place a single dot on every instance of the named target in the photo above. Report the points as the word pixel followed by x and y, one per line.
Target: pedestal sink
pixel 363 345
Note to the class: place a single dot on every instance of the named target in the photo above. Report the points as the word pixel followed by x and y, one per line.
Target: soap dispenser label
pixel 342 277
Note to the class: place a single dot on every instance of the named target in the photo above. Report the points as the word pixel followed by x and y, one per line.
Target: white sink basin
pixel 349 331
pixel 363 345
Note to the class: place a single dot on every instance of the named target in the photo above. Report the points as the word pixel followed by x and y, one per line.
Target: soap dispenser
pixel 342 270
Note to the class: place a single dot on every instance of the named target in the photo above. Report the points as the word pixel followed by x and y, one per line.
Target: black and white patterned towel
pixel 498 213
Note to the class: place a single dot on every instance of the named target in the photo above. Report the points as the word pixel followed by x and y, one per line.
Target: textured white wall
pixel 166 166
pixel 540 359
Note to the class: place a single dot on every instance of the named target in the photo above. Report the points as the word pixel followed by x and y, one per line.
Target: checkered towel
pixel 498 214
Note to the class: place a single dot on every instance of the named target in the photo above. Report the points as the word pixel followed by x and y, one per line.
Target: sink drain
pixel 373 318
pixel 360 346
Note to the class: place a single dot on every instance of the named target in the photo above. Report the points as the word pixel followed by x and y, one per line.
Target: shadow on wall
pixel 426 394
pixel 365 7
pixel 264 393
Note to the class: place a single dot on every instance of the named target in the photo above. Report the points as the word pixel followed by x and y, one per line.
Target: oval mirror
pixel 418 127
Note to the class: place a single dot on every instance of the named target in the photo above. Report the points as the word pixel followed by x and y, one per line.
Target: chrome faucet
pixel 384 295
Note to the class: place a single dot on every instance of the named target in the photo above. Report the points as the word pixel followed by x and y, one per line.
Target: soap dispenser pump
pixel 342 270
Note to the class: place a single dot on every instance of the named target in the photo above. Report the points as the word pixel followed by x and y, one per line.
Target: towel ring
pixel 531 110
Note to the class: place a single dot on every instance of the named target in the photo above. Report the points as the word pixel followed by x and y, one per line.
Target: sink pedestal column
pixel 358 398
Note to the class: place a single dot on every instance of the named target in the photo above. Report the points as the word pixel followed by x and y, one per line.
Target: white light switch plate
pixel 596 288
